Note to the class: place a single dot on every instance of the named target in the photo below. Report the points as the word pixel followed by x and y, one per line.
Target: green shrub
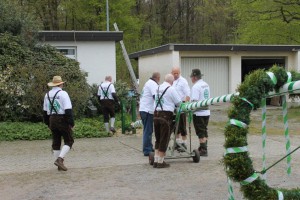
pixel 25 74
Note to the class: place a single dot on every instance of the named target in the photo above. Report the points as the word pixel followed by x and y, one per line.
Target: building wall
pixel 97 58
pixel 162 63
pixel 235 62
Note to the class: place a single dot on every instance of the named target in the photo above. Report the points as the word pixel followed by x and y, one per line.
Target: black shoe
pixel 163 165
pixel 155 165
pixel 203 152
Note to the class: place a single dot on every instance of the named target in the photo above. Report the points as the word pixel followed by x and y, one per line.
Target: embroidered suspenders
pixel 160 98
pixel 105 92
pixel 52 102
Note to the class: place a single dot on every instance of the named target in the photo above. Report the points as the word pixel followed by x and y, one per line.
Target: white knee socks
pixel 106 127
pixel 112 122
pixel 65 149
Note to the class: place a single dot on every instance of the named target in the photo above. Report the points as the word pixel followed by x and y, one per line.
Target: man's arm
pixel 46 118
pixel 69 115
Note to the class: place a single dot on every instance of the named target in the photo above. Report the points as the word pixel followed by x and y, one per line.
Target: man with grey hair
pixel 166 98
pixel 200 91
pixel 146 111
pixel 108 97
pixel 183 89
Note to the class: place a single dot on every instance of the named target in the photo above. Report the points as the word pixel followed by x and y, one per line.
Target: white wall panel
pixel 215 70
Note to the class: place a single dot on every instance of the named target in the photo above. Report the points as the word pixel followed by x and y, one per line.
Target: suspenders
pixel 105 92
pixel 160 98
pixel 52 102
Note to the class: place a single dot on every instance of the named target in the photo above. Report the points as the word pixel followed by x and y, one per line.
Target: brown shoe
pixel 60 164
pixel 155 165
pixel 163 165
pixel 112 129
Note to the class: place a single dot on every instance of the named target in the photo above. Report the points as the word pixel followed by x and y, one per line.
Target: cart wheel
pixel 151 158
pixel 196 157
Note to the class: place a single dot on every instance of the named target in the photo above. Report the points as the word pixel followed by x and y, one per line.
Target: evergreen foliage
pixel 239 166
pixel 26 70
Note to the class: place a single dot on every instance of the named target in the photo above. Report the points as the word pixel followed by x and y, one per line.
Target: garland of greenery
pixel 239 166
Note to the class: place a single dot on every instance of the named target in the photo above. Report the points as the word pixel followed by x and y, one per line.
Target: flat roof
pixel 213 47
pixel 47 36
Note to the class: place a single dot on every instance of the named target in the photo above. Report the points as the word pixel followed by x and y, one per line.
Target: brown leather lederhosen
pixel 59 127
pixel 107 105
pixel 162 126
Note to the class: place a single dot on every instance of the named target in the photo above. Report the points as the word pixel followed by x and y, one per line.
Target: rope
pixel 264 171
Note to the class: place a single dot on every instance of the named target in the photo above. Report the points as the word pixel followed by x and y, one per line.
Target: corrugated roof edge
pixel 80 36
pixel 213 47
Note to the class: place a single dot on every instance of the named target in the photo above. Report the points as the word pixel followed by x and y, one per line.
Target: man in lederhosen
pixel 183 89
pixel 108 97
pixel 58 116
pixel 166 98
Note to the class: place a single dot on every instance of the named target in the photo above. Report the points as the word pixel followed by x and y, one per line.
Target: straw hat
pixel 56 81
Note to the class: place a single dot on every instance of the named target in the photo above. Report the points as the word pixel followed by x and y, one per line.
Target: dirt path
pixel 114 168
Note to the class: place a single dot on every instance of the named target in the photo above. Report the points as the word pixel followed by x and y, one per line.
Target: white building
pixel 94 50
pixel 224 66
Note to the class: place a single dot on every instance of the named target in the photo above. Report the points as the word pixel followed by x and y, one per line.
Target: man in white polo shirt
pixel 200 91
pixel 183 89
pixel 146 111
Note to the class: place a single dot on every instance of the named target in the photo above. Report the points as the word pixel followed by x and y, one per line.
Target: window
pixel 70 52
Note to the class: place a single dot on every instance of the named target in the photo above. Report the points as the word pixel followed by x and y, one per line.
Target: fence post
pixel 133 111
pixel 123 116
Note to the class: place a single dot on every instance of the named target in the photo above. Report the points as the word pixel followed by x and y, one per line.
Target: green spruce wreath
pixel 239 166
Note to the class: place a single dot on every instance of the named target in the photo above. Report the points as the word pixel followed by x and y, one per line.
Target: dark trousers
pixel 182 124
pixel 60 129
pixel 200 125
pixel 108 109
pixel 162 128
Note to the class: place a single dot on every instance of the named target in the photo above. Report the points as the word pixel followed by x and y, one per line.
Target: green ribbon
pixel 289 77
pixel 286 134
pixel 238 123
pixel 272 77
pixel 236 150
pixel 251 104
pixel 280 195
pixel 264 133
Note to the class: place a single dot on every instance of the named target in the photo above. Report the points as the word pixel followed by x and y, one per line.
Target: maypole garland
pixel 238 165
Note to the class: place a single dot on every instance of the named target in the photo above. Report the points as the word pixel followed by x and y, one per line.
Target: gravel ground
pixel 115 168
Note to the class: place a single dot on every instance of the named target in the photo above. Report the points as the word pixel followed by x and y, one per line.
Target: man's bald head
pixel 175 72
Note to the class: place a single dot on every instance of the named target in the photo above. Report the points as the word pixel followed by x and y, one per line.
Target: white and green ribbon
pixel 250 179
pixel 280 195
pixel 251 104
pixel 264 135
pixel 272 77
pixel 286 133
pixel 137 124
pixel 236 150
pixel 230 189
pixel 238 123
pixel 289 79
